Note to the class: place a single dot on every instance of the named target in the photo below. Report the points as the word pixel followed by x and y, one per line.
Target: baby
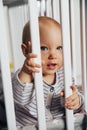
pixel 53 76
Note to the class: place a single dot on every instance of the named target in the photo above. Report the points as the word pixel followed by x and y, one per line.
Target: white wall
pixel 17 19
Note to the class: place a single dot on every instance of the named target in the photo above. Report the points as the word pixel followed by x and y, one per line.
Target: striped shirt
pixel 25 100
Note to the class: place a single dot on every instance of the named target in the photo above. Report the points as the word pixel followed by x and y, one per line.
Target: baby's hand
pixel 73 101
pixel 29 66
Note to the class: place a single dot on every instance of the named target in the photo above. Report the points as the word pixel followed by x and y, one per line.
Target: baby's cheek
pixel 61 62
pixel 43 62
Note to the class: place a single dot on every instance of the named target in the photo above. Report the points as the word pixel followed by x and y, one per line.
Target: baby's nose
pixel 52 55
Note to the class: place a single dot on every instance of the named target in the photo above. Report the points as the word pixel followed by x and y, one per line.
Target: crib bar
pixel 73 38
pixel 52 8
pixel 56 10
pixel 5 70
pixel 84 52
pixel 48 8
pixel 42 7
pixel 37 76
pixel 64 4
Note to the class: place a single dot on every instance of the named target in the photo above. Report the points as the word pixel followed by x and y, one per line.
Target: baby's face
pixel 51 50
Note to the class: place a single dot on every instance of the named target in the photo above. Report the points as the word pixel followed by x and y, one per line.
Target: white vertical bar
pixel 84 54
pixel 73 36
pixel 42 7
pixel 56 10
pixel 76 40
pixel 38 76
pixel 52 7
pixel 48 8
pixel 17 21
pixel 83 4
pixel 67 57
pixel 6 78
pixel 6 18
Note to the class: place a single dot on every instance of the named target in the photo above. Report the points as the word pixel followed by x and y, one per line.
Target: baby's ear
pixel 24 49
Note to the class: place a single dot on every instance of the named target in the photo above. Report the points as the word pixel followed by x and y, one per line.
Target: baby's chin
pixel 49 72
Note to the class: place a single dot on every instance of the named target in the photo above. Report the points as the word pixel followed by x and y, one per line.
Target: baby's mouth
pixel 52 66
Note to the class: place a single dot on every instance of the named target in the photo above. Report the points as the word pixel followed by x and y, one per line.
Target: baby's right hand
pixel 30 66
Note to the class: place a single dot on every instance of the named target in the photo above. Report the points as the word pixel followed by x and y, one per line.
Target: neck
pixel 49 79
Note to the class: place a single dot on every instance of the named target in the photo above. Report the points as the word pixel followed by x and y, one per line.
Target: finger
pixel 29 46
pixel 74 89
pixel 29 70
pixel 71 98
pixel 61 94
pixel 32 64
pixel 74 94
pixel 72 102
pixel 73 105
pixel 33 70
pixel 31 55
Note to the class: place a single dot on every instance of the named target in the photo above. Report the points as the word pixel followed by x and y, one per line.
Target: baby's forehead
pixel 48 25
pixel 47 21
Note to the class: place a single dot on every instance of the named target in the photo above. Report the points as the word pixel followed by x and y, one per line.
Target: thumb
pixel 62 94
pixel 73 87
pixel 29 47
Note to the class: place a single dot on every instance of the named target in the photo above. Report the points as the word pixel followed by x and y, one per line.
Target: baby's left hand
pixel 72 102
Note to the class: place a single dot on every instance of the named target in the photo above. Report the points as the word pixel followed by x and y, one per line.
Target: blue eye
pixel 44 48
pixel 59 48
